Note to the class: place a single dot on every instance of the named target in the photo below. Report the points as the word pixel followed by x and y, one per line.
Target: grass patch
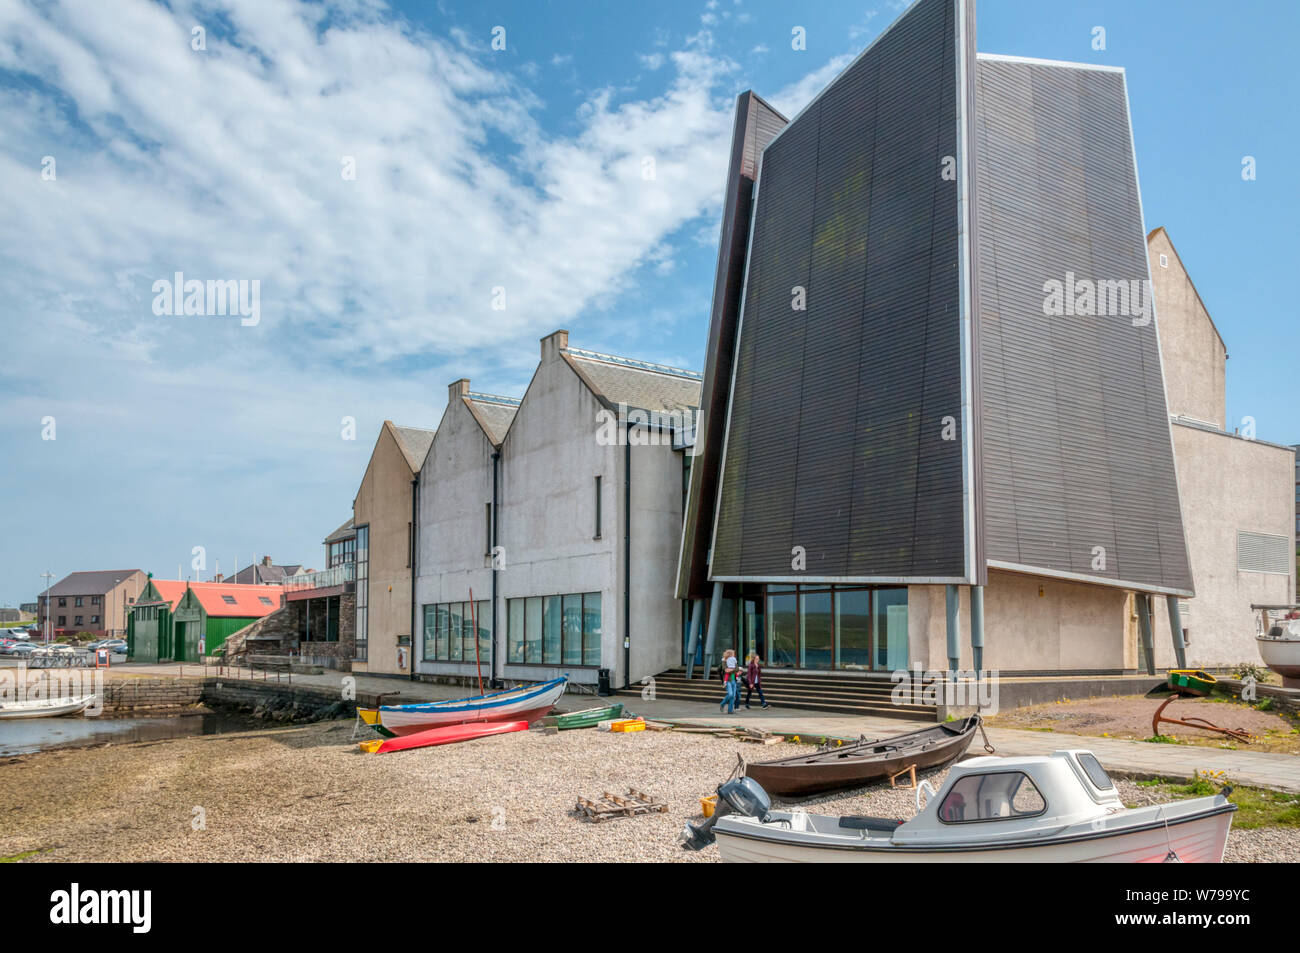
pixel 17 857
pixel 1256 807
pixel 1162 740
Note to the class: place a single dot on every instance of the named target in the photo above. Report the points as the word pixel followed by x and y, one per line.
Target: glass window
pixel 484 614
pixel 1096 773
pixel 515 630
pixel 572 651
pixel 551 630
pixel 430 650
pixel 532 630
pixel 442 623
pixel 455 630
pixel 990 797
pixel 890 622
pixel 818 628
pixel 853 624
pixel 591 628
pixel 782 627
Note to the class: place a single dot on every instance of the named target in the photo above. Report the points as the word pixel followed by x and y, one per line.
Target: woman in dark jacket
pixel 754 680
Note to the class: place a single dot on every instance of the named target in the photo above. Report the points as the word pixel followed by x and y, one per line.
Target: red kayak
pixel 449 734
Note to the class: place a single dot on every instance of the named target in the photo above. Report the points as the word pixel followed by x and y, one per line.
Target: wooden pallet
pixel 757 736
pixel 609 806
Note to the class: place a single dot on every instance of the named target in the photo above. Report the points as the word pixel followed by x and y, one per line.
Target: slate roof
pixel 637 384
pixel 493 413
pixel 90 583
pixel 414 442
pixel 260 575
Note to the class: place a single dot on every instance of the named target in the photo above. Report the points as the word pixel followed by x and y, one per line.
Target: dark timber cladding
pixel 1078 460
pixel 835 438
pixel 755 126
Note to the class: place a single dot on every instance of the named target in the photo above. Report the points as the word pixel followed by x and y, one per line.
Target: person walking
pixel 754 680
pixel 730 669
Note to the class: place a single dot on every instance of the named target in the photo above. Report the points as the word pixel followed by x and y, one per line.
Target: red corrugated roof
pixel 247 600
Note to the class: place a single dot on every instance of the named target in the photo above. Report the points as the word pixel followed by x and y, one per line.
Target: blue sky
pixel 476 169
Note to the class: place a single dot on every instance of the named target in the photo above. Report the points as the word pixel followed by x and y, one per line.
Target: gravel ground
pixel 306 794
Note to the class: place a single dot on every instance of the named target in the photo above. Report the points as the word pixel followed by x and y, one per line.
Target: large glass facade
pixel 843 628
pixel 362 635
pixel 554 630
pixel 449 629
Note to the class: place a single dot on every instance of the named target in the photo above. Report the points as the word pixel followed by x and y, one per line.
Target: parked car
pixel 18 648
pixel 55 648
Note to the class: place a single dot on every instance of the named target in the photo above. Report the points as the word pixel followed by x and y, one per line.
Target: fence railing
pixel 322 578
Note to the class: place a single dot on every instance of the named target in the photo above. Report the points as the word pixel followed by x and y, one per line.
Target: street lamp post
pixel 47 576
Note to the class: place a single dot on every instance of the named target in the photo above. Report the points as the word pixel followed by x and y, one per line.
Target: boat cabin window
pixel 1096 773
pixel 988 797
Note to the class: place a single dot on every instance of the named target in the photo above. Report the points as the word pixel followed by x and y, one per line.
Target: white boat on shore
pixel 1278 639
pixel 1061 808
pixel 46 707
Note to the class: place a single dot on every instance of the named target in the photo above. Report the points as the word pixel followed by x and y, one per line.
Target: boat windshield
pixel 987 797
pixel 1096 773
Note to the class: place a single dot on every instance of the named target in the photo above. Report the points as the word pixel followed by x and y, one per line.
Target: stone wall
pixel 132 694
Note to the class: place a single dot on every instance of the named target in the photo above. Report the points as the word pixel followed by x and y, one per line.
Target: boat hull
pixel 859 764
pixel 526 705
pixel 1198 838
pixel 1283 657
pixel 45 709
pixel 450 734
pixel 584 719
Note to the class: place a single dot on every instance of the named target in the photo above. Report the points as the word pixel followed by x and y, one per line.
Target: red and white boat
pixel 1277 633
pixel 526 703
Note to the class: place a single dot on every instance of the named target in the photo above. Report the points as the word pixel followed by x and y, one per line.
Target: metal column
pixel 977 626
pixel 1144 627
pixel 715 618
pixel 1176 630
pixel 954 628
pixel 697 617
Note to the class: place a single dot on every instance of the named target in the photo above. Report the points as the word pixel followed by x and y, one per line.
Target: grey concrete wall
pixel 1031 624
pixel 1228 484
pixel 1193 355
pixel 455 485
pixel 550 459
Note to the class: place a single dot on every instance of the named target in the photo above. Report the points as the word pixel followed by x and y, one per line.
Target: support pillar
pixel 697 617
pixel 1176 630
pixel 715 619
pixel 977 626
pixel 1143 602
pixel 954 628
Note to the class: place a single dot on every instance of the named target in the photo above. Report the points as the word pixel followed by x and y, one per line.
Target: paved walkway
pixel 1134 758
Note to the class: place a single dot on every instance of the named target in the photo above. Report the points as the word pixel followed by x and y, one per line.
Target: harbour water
pixel 27 736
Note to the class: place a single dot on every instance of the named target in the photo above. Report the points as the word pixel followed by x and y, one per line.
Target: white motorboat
pixel 1061 808
pixel 1277 633
pixel 46 707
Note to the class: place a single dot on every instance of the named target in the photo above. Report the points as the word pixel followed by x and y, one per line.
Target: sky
pixel 417 206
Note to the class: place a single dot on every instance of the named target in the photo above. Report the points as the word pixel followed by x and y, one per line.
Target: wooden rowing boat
pixel 587 718
pixel 46 707
pixel 449 734
pixel 854 765
pixel 526 703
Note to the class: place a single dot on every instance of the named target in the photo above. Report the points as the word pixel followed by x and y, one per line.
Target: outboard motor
pixel 741 796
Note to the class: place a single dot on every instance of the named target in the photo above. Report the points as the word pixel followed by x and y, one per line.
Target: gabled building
pixel 383 516
pixel 935 392
pixel 264 573
pixel 97 602
pixel 562 512
pixel 175 621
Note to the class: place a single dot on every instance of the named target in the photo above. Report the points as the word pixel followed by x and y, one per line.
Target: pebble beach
pixel 306 793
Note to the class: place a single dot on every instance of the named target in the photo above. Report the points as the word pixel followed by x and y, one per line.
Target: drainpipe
pixel 954 633
pixel 1144 627
pixel 496 526
pixel 415 564
pixel 627 557
pixel 715 619
pixel 977 626
pixel 1176 630
pixel 697 616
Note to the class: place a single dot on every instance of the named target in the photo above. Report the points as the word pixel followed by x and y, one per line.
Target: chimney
pixel 457 389
pixel 552 343
pixel 266 560
pixel 218 577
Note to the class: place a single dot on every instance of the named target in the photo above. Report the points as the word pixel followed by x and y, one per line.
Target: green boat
pixel 1190 681
pixel 587 718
